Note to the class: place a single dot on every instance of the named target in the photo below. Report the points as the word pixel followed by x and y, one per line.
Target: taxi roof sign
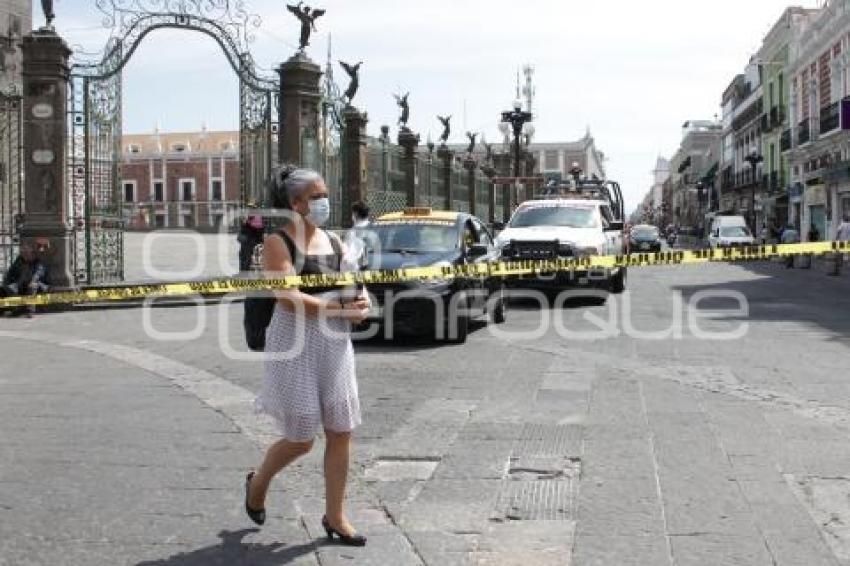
pixel 417 211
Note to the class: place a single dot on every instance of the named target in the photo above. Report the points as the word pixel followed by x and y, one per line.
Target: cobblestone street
pixel 122 449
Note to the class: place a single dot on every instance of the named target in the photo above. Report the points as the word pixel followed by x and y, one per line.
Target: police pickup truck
pixel 582 218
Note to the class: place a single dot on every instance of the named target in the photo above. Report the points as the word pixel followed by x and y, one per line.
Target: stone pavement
pixel 507 450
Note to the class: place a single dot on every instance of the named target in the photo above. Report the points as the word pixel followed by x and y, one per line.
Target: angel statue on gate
pixel 472 137
pixel 49 15
pixel 307 16
pixel 353 72
pixel 405 109
pixel 446 121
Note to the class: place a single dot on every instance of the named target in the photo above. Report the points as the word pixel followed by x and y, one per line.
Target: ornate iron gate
pixel 11 175
pixel 95 116
pixel 94 153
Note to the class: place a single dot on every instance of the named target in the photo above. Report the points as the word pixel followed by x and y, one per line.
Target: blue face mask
pixel 320 211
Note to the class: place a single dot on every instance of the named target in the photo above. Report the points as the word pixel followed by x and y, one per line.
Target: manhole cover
pixel 394 470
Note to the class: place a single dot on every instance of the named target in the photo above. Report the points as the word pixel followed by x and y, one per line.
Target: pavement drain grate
pixel 538 500
pixel 538 489
pixel 549 440
pixel 400 469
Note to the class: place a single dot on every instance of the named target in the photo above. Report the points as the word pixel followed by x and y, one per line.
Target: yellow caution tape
pixel 483 269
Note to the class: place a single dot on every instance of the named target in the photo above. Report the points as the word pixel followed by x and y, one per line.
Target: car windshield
pixel 734 232
pixel 568 216
pixel 415 237
pixel 645 233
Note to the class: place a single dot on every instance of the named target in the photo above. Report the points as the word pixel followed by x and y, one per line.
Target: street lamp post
pixel 754 158
pixel 517 118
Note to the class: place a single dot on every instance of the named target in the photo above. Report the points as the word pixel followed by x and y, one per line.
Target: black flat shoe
pixel 353 540
pixel 257 515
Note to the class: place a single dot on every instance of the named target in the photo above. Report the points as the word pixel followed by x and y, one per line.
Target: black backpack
pixel 259 306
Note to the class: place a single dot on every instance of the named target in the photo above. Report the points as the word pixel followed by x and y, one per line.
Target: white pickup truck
pixel 565 226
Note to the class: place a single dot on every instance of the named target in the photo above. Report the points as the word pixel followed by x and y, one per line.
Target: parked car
pixel 418 237
pixel 644 238
pixel 727 231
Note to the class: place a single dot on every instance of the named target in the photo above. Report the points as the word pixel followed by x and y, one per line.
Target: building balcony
pixel 804 134
pixel 765 123
pixel 785 141
pixel 745 178
pixel 830 117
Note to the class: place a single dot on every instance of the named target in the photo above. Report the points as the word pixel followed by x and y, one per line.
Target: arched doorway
pixel 95 119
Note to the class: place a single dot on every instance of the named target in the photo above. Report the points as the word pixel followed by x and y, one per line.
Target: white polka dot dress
pixel 310 380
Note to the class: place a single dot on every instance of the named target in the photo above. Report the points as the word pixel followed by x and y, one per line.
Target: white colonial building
pixel 820 111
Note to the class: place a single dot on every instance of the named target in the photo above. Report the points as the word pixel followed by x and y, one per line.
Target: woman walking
pixel 314 383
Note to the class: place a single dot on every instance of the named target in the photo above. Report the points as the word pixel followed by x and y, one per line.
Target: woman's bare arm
pixel 277 263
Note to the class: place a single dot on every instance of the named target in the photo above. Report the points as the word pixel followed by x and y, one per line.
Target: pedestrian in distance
pixel 842 234
pixel 28 275
pixel 813 236
pixel 789 235
pixel 250 236
pixel 314 384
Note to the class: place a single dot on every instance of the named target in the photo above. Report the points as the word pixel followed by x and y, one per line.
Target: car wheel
pixel 497 315
pixel 618 282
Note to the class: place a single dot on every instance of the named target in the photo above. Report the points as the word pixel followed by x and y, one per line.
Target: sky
pixel 632 72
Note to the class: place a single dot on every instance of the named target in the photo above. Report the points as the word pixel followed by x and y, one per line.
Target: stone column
pixel 471 167
pixel 447 157
pixel 354 175
pixel 299 112
pixel 409 163
pixel 45 86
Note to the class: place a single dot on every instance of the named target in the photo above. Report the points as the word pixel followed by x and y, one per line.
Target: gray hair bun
pixel 290 182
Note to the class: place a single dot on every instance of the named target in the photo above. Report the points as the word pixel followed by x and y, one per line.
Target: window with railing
pixel 130 192
pixel 158 191
pixel 830 118
pixel 777 116
pixel 785 141
pixel 215 191
pixel 804 135
pixel 187 190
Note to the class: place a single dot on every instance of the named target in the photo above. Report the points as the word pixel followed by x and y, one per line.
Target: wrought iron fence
pixel 499 212
pixel 11 175
pixel 460 190
pixel 332 165
pixel 482 197
pixel 386 191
